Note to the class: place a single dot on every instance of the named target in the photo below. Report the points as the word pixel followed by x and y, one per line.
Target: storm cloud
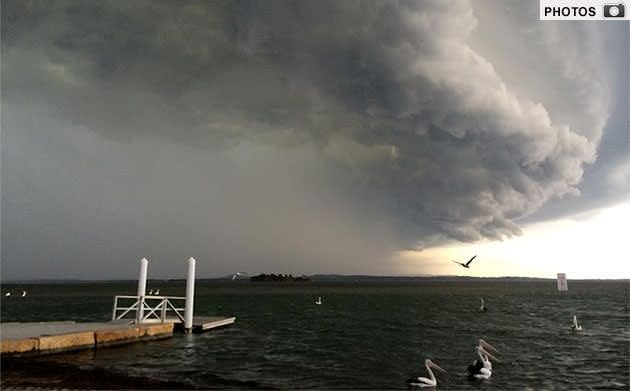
pixel 297 136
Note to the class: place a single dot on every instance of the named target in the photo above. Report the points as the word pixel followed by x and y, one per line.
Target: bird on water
pixel 482 367
pixel 430 381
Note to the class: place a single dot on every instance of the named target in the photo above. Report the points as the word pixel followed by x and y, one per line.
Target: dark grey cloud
pixel 336 132
pixel 594 60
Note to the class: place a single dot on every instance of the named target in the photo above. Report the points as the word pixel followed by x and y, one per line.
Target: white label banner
pixel 583 10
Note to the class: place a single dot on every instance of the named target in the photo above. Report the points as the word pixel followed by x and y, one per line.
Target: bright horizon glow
pixel 584 246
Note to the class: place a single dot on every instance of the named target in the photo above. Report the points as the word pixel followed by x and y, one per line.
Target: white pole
pixel 142 288
pixel 190 295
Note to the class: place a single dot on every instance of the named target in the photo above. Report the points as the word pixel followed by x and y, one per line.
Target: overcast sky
pixel 303 137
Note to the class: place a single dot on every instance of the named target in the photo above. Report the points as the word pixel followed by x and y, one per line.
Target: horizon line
pixel 324 275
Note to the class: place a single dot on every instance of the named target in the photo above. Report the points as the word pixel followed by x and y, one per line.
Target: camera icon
pixel 614 10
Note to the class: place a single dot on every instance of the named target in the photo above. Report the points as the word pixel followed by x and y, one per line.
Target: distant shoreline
pixel 278 278
pixel 317 278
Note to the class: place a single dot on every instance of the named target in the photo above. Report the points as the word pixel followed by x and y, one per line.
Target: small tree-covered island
pixel 279 277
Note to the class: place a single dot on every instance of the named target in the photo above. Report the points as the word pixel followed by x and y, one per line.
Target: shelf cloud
pixel 301 136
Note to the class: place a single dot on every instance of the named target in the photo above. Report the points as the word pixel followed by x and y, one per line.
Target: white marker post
pixel 142 288
pixel 562 282
pixel 190 295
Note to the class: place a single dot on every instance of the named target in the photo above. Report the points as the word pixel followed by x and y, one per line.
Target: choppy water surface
pixel 366 335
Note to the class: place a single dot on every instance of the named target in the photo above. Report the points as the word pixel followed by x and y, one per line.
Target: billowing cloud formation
pixel 431 122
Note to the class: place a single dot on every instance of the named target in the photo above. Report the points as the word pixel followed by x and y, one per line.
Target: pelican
pixel 151 292
pixel 483 306
pixel 7 294
pixel 430 381
pixel 486 345
pixel 575 326
pixel 238 274
pixel 467 264
pixel 319 300
pixel 157 292
pixel 23 293
pixel 482 368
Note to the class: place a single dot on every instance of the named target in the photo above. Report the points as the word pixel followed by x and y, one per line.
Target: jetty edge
pixel 38 338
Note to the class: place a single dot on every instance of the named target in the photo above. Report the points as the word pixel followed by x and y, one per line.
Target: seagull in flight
pixel 467 264
pixel 238 274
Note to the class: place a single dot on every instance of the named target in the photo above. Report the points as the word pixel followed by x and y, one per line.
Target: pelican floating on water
pixel 467 264
pixel 319 300
pixel 151 292
pixel 430 381
pixel 483 306
pixel 7 294
pixel 23 293
pixel 575 326
pixel 482 368
pixel 157 292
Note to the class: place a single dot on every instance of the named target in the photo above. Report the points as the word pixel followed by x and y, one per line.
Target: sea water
pixel 370 334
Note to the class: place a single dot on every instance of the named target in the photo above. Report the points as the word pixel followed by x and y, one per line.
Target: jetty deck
pixel 201 323
pixel 35 338
pixel 205 323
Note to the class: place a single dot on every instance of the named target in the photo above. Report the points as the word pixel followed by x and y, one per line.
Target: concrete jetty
pixel 154 317
pixel 35 338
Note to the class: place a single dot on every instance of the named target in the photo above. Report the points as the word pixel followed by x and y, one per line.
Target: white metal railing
pixel 147 308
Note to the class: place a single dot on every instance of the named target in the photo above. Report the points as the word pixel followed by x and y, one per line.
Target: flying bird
pixel 467 264
pixel 430 381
